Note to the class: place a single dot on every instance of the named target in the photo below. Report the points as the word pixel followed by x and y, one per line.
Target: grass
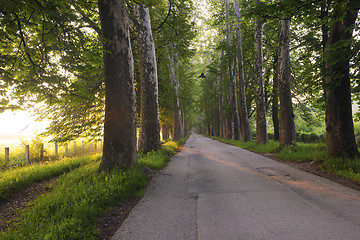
pixel 76 200
pixel 70 210
pixel 305 152
pixel 271 147
pixel 15 179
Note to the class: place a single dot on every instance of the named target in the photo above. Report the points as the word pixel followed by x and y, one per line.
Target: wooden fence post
pixel 42 152
pixel 74 147
pixel 7 151
pixel 56 150
pixel 66 150
pixel 27 154
pixel 82 147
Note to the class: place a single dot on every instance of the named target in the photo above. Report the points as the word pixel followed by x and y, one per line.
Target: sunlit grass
pixel 76 200
pixel 18 178
pixel 70 210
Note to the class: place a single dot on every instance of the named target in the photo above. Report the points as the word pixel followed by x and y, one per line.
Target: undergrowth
pixel 77 199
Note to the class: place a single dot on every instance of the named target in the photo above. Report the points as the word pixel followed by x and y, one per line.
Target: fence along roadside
pixel 30 153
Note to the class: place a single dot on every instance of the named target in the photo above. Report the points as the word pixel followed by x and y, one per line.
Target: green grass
pixel 155 160
pixel 18 178
pixel 71 209
pixel 270 147
pixel 77 199
pixel 303 152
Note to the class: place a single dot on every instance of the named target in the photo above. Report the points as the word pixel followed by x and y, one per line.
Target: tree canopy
pixel 52 61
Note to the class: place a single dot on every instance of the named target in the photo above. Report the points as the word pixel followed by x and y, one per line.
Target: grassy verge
pixel 70 210
pixel 18 178
pixel 305 152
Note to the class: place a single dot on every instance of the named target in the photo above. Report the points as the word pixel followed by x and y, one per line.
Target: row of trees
pixel 284 51
pixel 75 60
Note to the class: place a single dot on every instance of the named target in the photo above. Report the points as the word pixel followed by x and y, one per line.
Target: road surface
pixel 212 190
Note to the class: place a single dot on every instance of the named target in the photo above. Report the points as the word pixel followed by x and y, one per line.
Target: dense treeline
pixel 114 68
pixel 297 61
pixel 54 56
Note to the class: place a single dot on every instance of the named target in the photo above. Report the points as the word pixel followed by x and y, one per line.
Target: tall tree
pixel 149 137
pixel 340 138
pixel 232 77
pixel 261 130
pixel 119 147
pixel 177 131
pixel 286 121
pixel 245 126
pixel 275 98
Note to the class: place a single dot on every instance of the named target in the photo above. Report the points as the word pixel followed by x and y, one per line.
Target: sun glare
pixel 19 125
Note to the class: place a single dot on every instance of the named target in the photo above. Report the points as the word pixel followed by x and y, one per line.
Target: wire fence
pixel 38 151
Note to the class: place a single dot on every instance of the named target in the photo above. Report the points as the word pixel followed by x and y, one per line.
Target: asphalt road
pixel 216 191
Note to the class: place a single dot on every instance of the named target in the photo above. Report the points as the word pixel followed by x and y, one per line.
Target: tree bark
pixel 286 121
pixel 261 129
pixel 177 132
pixel 149 137
pixel 119 148
pixel 244 119
pixel 340 138
pixel 232 78
pixel 165 131
pixel 275 99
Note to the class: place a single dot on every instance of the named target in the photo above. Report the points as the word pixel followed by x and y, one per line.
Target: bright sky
pixel 19 125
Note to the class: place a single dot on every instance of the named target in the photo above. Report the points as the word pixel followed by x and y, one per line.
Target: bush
pixel 310 138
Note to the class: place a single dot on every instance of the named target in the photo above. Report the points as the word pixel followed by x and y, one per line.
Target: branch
pixel 22 40
pixel 167 16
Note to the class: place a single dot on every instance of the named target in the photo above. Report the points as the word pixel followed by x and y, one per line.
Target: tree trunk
pixel 177 132
pixel 261 129
pixel 340 138
pixel 119 148
pixel 229 128
pixel 275 99
pixel 165 131
pixel 232 78
pixel 244 119
pixel 286 121
pixel 149 137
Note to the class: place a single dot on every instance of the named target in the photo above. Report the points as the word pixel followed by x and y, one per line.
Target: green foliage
pixel 52 54
pixel 36 149
pixel 18 178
